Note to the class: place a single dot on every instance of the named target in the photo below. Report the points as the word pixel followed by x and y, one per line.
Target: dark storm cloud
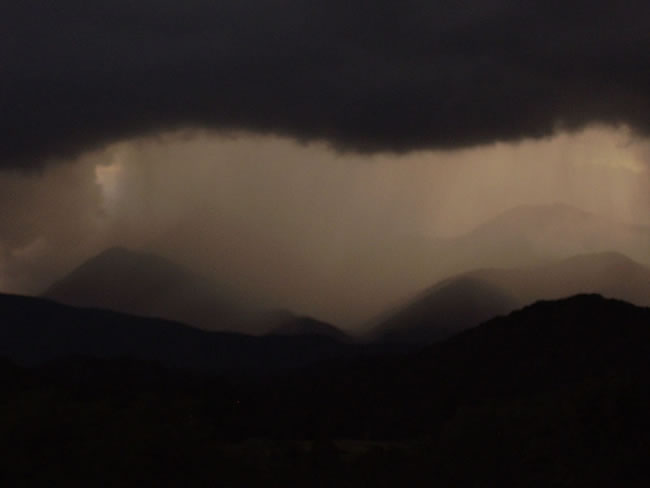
pixel 365 75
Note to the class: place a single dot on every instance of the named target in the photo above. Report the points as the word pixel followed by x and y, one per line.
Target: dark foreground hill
pixel 544 347
pixel 467 300
pixel 34 330
pixel 555 394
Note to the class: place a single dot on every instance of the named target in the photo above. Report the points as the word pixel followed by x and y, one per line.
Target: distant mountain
pixel 610 274
pixel 534 234
pixel 445 309
pixel 34 330
pixel 521 237
pixel 144 284
pixel 466 300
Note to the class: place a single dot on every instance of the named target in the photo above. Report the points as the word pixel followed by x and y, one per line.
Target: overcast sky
pixel 265 142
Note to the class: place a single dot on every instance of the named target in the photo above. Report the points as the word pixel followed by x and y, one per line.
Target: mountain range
pixel 522 237
pixel 526 254
pixel 558 390
pixel 140 283
pixel 35 330
pixel 470 298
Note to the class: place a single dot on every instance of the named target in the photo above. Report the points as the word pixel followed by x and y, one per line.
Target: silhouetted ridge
pixel 444 309
pixel 34 330
pixel 140 283
pixel 466 300
pixel 145 284
pixel 308 326
pixel 543 349
pixel 554 394
pixel 546 343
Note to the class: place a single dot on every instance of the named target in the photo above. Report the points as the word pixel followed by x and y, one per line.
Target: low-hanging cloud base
pixel 362 76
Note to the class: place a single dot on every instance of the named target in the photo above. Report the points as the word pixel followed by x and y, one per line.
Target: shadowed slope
pixel 145 284
pixel 471 298
pixel 555 394
pixel 293 326
pixel 446 308
pixel 550 346
pixel 33 330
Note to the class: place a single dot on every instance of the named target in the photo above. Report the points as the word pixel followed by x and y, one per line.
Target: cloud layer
pixel 364 76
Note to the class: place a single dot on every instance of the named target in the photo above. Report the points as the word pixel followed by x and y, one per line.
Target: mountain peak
pixel 141 283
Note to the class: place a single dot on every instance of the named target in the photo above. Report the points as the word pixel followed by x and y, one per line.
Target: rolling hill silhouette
pixel 547 344
pixel 447 308
pixel 139 283
pixel 547 348
pixel 293 326
pixel 34 330
pixel 464 301
pixel 145 284
pixel 554 394
pixel 521 237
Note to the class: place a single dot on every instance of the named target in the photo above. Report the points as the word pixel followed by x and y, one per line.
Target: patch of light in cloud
pixel 108 177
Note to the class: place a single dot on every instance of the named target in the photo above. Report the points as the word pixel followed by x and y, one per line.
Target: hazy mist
pixel 300 226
